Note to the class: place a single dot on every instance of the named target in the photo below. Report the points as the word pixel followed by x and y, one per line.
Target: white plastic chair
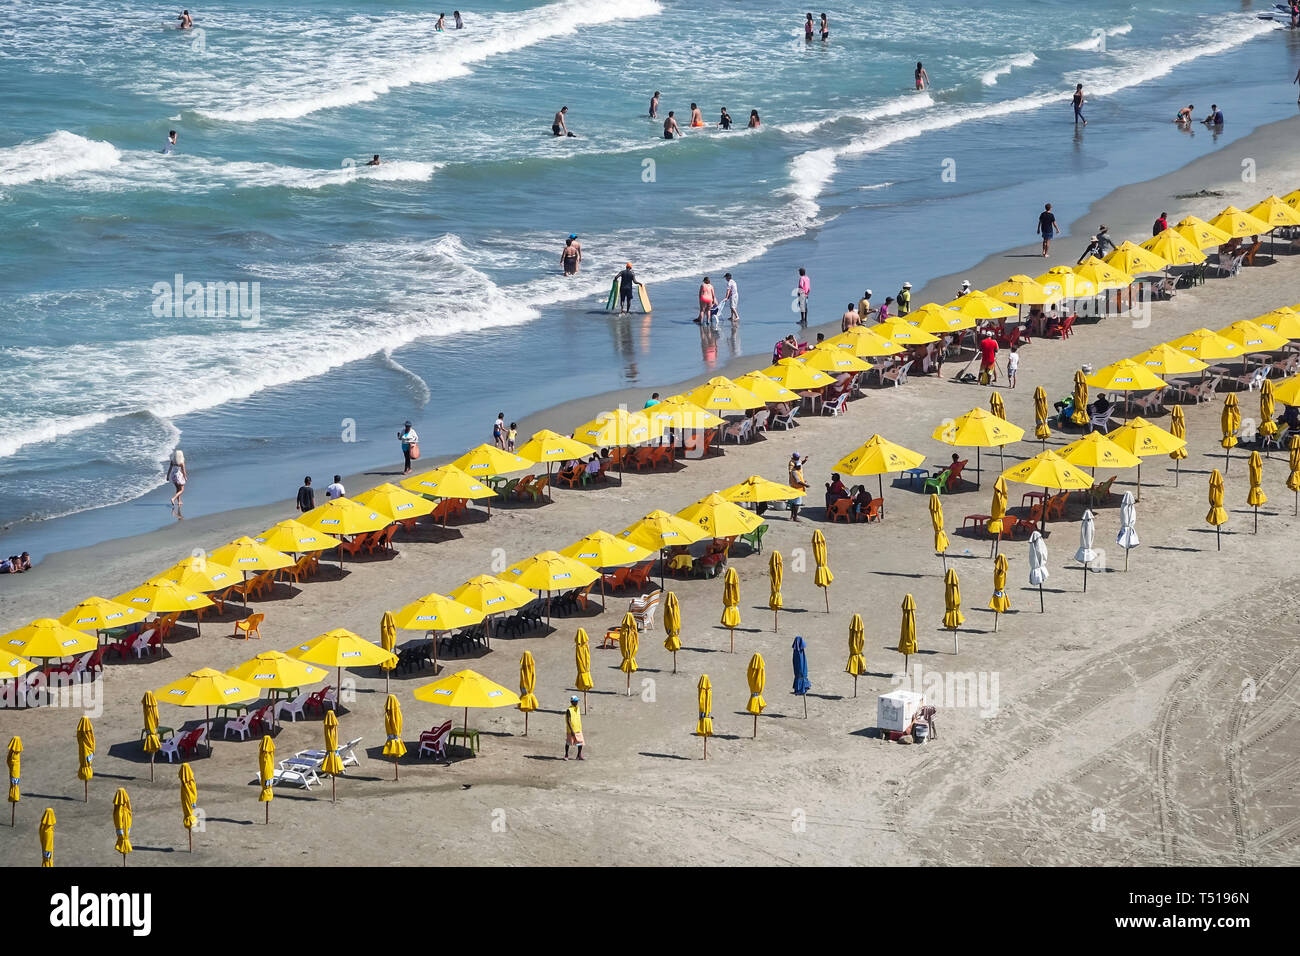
pixel 293 707
pixel 239 725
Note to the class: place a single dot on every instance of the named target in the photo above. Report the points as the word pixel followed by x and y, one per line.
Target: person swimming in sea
pixel 826 28
pixel 169 146
pixel 460 24
pixel 754 121
pixel 725 120
pixel 808 29
pixel 375 161
pixel 671 129
pixel 441 25
pixel 187 21
pixel 922 78
pixel 697 118
pixel 654 105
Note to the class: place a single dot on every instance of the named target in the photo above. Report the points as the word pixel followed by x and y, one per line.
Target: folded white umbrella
pixel 1038 564
pixel 1086 555
pixel 1128 516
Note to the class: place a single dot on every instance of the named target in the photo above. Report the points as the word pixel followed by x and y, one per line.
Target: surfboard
pixel 612 304
pixel 644 296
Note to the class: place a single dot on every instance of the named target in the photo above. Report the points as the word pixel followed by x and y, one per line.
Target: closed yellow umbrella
pixel 1230 420
pixel 731 603
pixel 878 456
pixel 1144 439
pixel 996 405
pixel 266 773
pixel 1256 496
pixel 1178 428
pixel 1216 515
pixel 1238 224
pixel 15 761
pixel 527 687
pixel 953 617
pixel 1206 345
pixel 824 577
pixel 1175 248
pixel 47 837
pixel 394 503
pixel 333 764
pixel 1282 320
pixel 978 429
pixel 939 320
pixel 1164 359
pixel 704 723
pixel 756 672
pixel 775 571
pixel 857 665
pixel 393 745
pixel 672 626
pixel 1267 427
pixel 1042 431
pixel 1065 282
pixel 765 388
pixel 122 822
pixel 722 394
pixel 1135 260
pixel 85 753
pixel 152 744
pixel 1079 414
pixel 719 518
pixel 582 658
pixel 1293 479
pixel 388 641
pixel 294 537
pixel 797 376
pixel 997 512
pixel 907 632
pixel 1200 233
pixel 628 643
pixel 189 800
pixel 999 602
pixel 940 536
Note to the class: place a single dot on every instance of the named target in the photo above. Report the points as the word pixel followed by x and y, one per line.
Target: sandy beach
pixel 1148 721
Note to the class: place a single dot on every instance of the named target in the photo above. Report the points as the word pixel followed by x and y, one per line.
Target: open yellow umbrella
pixel 1206 345
pixel 340 648
pixel 907 632
pixel 681 415
pixel 999 602
pixel 200 574
pixel 1066 283
pixel 902 332
pixel 1274 212
pixel 775 571
pixel 765 388
pixel 1253 338
pixel 266 774
pixel 1216 515
pixel 704 723
pixel 978 306
pixel 878 456
pixel 122 822
pixel 13 666
pixel 1230 419
pixel 85 753
pixel 755 489
pixel 940 536
pixel 1125 375
pixel 485 460
pixel 15 761
pixel 864 343
pixel 393 745
pixel 997 513
pixel 997 406
pixel 189 800
pixel 1200 233
pixel 600 549
pixel 952 616
pixel 1094 450
pixel 208 688
pixel 1048 470
pixel 294 537
pixel 47 837
pixel 1164 359
pixel 97 614
pixel 939 320
pixel 1256 496
pixel 582 658
pixel 1139 436
pixel 1174 248
pixel 1282 320
pixel 245 555
pixel 824 577
pixel 831 360
pixel 340 517
pixel 549 571
pixel 1178 428
pixel 731 603
pixel 719 518
pixel 672 626
pixel 274 670
pixel 797 376
pixel 857 665
pixel 1104 275
pixel 978 429
pixel 333 763
pixel 47 639
pixel 491 595
pixel 1079 414
pixel 618 428
pixel 1042 431
pixel 628 643
pixel 435 612
pixel 1135 260
pixel 1020 290
pixel 659 530
pixel 722 394
pixel 152 744
pixel 1288 391
pixel 161 596
pixel 394 503
pixel 449 482
pixel 1238 224
pixel 1293 479
pixel 756 672
pixel 546 447
pixel 527 687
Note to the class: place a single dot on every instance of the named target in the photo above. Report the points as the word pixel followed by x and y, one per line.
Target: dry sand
pixel 1121 733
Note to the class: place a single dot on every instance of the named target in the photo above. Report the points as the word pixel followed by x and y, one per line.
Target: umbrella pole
pixel 629 683
pixel 267 822
pixel 334 792
pixel 191 833
pixel 525 723
pixel 1139 494
pixel 827 591
pixel 855 685
pixel 774 616
pixel 151 756
pixel 756 726
pixel 674 662
pixel 1256 531
pixel 956 644
pixel 996 615
pixel 1218 545
pixel 880 487
pixel 1126 551
pixel 86 798
pixel 1042 609
pixel 1175 472
pixel 207 716
pixel 1085 579
pixel 805 705
pixel 978 474
pixel 706 747
pixel 584 701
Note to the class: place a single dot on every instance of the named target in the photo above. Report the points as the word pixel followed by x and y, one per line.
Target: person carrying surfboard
pixel 626 289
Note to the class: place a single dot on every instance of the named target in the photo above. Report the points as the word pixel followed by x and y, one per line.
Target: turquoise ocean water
pixel 428 288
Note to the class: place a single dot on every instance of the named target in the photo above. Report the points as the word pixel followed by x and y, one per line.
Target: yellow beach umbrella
pixel 952 616
pixel 600 549
pixel 1200 233
pixel 333 763
pixel 393 745
pixel 274 670
pixel 1216 515
pixel 857 664
pixel 47 639
pixel 672 626
pixel 1292 199
pixel 339 517
pixel 13 666
pixel 189 800
pixel 1095 450
pixel 527 687
pixel 200 574
pixel 939 320
pixel 901 331
pixel 907 632
pixel 435 612
pixel 388 641
pixel 704 723
pixel 878 456
pixel 152 743
pixel 775 571
pixel 977 306
pixel 1042 431
pixel 722 394
pixel 830 360
pixel 85 753
pixel 1135 260
pixel 719 518
pixel 394 503
pixel 1206 345
pixel 940 536
pixel 999 602
pixel 1253 338
pixel 1230 419
pixel 617 428
pixel 1080 401
pixel 1103 274
pixel 448 482
pixel 47 838
pixel 244 554
pixel 1020 290
pixel 1267 427
pixel 756 488
pixel 659 530
pixel 997 512
pixel 628 643
pixel 1065 282
pixel 14 759
pixel 122 822
pixel 997 406
pixel 1282 320
pixel 1288 391
pixel 756 673
pixel 1164 359
pixel 547 446
pixel 266 773
pixel 1256 497
pixel 294 537
pixel 161 596
pixel 208 688
pixel 1047 469
pixel 484 460
pixel 824 577
pixel 98 614
pixel 1139 436
pixel 863 342
pixel 798 376
pixel 1125 375
pixel 1178 428
pixel 491 595
pixel 765 388
pixel 978 429
pixel 582 658
pixel 549 571
pixel 341 648
pixel 731 603
pixel 681 415
pixel 1174 248
pixel 1293 479
pixel 1238 224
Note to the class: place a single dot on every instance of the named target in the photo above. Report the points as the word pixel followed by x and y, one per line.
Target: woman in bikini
pixel 707 298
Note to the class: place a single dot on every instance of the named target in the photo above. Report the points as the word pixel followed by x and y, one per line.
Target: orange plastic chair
pixel 841 510
pixel 250 625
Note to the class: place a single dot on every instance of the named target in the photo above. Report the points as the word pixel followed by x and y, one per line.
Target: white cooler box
pixel 894 711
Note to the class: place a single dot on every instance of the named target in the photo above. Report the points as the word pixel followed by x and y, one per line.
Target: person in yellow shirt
pixel 573 728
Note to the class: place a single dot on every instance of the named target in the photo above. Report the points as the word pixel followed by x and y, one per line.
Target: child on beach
pixel 1013 365
pixel 510 436
pixel 499 430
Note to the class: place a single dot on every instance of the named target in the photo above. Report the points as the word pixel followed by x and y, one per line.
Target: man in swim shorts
pixel 654 105
pixel 850 318
pixel 1046 228
pixel 558 126
pixel 697 118
pixel 671 129
pixel 1185 114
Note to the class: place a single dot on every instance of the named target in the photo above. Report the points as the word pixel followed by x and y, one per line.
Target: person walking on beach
pixel 177 475
pixel 1046 228
pixel 707 299
pixel 1078 105
pixel 1161 224
pixel 573 728
pixel 671 129
pixel 883 314
pixel 922 78
pixel 335 489
pixel 803 291
pixel 1013 365
pixel 905 299
pixel 511 434
pixel 865 310
pixel 1105 243
pixel 626 289
pixel 499 430
pixel 654 105
pixel 732 298
pixel 850 318
pixel 796 480
pixel 306 496
pixel 988 359
pixel 410 445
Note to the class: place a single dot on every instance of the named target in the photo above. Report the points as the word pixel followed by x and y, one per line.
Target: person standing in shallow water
pixel 922 78
pixel 177 475
pixel 1078 105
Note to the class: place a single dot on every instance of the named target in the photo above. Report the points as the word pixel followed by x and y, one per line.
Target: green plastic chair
pixel 938 484
pixel 755 538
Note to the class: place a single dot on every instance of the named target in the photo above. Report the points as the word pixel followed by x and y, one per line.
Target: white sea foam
pixel 1097 40
pixel 147 170
pixel 57 156
pixel 908 103
pixel 1002 69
